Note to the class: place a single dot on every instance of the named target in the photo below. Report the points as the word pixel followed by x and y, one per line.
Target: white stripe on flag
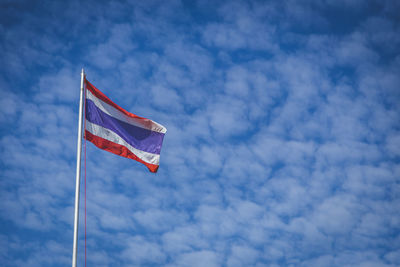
pixel 113 137
pixel 110 110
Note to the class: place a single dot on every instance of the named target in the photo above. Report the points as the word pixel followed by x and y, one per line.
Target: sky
pixel 283 142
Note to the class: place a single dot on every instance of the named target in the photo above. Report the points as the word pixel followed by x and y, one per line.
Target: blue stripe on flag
pixel 139 138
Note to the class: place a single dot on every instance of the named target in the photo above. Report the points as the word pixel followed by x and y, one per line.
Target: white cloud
pixel 241 255
pixel 198 259
pixel 138 252
pixel 337 215
pixel 166 98
pixel 282 142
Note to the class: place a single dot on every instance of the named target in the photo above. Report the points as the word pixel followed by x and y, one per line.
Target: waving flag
pixel 110 127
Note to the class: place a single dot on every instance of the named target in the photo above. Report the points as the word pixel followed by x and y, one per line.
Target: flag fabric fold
pixel 110 127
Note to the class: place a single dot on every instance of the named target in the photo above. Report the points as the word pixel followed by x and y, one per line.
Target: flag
pixel 110 127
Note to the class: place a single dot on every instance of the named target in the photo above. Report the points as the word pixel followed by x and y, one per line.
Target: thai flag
pixel 110 127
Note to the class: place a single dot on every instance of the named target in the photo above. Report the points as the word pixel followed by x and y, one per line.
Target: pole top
pixel 83 72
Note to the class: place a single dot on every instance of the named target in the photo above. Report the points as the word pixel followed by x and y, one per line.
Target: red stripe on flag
pixel 117 149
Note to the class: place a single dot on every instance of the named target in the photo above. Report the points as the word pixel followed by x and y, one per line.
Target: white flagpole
pixel 78 173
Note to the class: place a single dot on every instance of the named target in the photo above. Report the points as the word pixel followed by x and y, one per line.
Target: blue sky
pixel 283 142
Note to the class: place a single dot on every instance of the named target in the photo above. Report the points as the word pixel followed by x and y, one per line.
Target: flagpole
pixel 78 173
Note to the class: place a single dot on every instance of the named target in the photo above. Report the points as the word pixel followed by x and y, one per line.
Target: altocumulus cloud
pixel 283 141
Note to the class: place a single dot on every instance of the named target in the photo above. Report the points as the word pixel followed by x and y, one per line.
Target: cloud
pixel 241 255
pixel 111 52
pixel 198 258
pixel 139 251
pixel 240 29
pixel 282 142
